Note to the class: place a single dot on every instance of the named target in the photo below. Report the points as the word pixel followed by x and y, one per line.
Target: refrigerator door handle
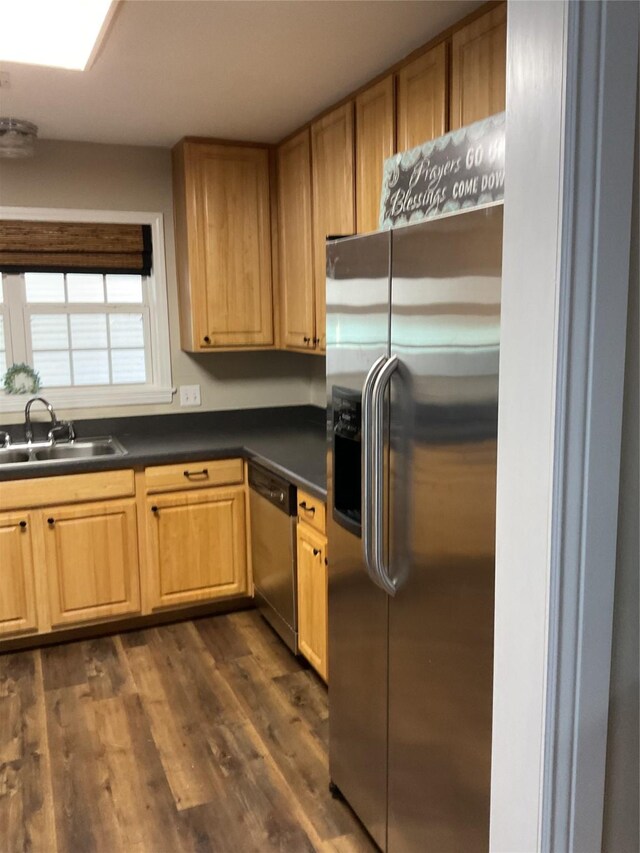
pixel 382 380
pixel 367 466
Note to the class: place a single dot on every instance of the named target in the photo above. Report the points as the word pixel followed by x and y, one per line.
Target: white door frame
pixel 571 83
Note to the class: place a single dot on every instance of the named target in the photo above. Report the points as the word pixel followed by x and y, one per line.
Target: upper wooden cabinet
pixel 223 242
pixel 422 98
pixel 333 195
pixel 478 68
pixel 375 141
pixel 17 588
pixel 327 178
pixel 295 227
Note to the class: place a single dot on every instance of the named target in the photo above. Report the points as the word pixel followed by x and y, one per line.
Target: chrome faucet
pixel 5 438
pixel 28 430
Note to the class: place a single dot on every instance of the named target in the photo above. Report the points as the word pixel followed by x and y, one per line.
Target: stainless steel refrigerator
pixel 413 321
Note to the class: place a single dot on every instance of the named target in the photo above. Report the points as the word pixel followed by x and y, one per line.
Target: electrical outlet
pixel 189 395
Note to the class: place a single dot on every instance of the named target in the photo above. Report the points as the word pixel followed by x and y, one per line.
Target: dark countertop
pixel 289 440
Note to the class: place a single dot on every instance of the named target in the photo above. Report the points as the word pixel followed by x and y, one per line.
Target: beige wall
pixel 318 383
pixel 119 177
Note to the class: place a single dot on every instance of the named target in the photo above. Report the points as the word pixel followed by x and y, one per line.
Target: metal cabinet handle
pixel 207 339
pixel 307 340
pixel 367 467
pixel 383 378
pixel 23 524
pixel 51 521
pixel 154 508
pixel 310 509
pixel 190 474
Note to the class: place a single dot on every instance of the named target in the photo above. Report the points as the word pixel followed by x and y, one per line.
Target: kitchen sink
pixel 67 451
pixel 11 456
pixel 80 450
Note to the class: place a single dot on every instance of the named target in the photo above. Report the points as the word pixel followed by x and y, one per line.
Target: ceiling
pixel 237 69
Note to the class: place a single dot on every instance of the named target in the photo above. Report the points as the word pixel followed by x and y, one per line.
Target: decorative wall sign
pixel 462 169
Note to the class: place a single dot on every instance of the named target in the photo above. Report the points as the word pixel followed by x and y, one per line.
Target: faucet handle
pixel 5 438
pixel 62 426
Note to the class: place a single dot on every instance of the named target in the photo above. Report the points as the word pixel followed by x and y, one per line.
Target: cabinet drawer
pixel 311 511
pixel 193 475
pixel 66 489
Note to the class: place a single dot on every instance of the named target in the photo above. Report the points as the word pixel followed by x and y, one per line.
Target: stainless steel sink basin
pixel 68 451
pixel 11 456
pixel 80 450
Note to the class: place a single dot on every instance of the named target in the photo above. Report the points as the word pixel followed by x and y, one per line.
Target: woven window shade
pixel 74 247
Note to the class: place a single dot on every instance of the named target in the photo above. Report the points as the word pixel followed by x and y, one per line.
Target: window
pixel 94 338
pixel 3 335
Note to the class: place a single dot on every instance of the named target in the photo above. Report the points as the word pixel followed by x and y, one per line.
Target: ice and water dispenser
pixel 347 455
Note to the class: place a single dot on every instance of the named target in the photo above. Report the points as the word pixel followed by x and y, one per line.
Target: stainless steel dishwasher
pixel 273 551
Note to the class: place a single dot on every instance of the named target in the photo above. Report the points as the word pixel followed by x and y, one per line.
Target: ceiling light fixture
pixel 55 33
pixel 17 137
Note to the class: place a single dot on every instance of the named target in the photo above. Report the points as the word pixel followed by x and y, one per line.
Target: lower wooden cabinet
pixel 91 559
pixel 18 614
pixel 89 548
pixel 312 597
pixel 196 546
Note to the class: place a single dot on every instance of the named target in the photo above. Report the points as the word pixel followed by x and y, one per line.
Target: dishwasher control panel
pixel 275 489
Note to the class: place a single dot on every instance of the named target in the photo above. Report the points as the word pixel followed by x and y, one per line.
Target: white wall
pixel 535 35
pixel 571 71
pixel 119 177
pixel 621 829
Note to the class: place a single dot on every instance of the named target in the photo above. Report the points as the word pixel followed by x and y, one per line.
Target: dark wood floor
pixel 198 736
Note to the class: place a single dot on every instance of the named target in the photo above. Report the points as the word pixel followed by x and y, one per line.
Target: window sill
pixel 89 398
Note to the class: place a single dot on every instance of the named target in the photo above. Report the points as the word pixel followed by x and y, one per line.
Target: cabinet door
pixel 231 275
pixel 478 68
pixel 312 598
pixel 296 242
pixel 91 556
pixel 197 546
pixel 333 195
pixel 17 589
pixel 422 98
pixel 375 141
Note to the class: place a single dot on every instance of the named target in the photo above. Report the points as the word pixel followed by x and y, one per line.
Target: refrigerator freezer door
pixel 445 332
pixel 357 335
